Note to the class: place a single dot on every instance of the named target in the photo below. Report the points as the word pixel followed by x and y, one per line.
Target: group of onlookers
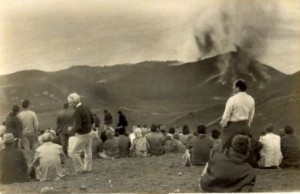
pixel 232 170
pixel 41 154
pixel 229 157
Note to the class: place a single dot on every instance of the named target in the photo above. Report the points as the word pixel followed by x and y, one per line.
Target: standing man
pixel 108 120
pixel 82 126
pixel 29 123
pixel 238 114
pixel 122 122
pixel 64 123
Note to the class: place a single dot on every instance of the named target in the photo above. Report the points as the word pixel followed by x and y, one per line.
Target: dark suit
pixel 63 122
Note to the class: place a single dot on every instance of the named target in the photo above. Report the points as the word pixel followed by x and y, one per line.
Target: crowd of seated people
pixel 268 151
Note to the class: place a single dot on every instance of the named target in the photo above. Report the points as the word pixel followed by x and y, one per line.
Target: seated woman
pixel 13 165
pixel 229 172
pixel 139 146
pixel 270 153
pixel 290 148
pixel 111 145
pixel 49 160
pixel 200 147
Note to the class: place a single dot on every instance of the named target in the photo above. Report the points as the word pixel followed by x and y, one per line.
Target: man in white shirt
pixel 238 114
pixel 270 153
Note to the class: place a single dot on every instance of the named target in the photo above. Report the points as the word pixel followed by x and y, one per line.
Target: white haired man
pixel 82 126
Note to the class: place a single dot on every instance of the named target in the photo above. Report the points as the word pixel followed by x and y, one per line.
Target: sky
pixel 51 35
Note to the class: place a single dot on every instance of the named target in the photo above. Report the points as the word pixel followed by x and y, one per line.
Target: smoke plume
pixel 237 32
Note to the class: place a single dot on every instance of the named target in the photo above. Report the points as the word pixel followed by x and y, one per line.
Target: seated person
pixel 132 135
pixel 103 133
pixel 155 141
pixel 281 132
pixel 172 144
pixel 96 144
pixel 124 143
pixel 185 135
pixel 254 153
pixel 290 148
pixel 215 137
pixel 200 146
pixel 51 131
pixel 139 146
pixel 270 153
pixel 49 160
pixel 111 145
pixel 229 172
pixel 180 147
pixel 145 130
pixel 13 165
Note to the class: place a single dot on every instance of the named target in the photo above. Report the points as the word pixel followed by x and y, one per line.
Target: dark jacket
pixel 108 120
pixel 290 149
pixel 64 120
pixel 200 149
pixel 83 120
pixel 13 166
pixel 254 155
pixel 228 173
pixel 122 121
pixel 13 125
pixel 124 145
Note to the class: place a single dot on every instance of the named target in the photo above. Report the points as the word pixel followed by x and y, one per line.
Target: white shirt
pixel 240 107
pixel 271 152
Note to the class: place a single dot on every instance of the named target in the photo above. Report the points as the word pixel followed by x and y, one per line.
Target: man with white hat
pixel 13 165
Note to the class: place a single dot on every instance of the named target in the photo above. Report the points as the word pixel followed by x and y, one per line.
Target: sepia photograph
pixel 140 96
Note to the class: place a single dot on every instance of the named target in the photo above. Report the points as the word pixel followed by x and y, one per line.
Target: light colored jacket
pixel 271 152
pixel 29 122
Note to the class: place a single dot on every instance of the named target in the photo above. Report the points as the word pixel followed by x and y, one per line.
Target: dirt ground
pixel 160 174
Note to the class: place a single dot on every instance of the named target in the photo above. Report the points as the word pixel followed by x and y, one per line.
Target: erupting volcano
pixel 237 33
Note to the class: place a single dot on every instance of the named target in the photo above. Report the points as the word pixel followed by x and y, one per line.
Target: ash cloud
pixel 237 26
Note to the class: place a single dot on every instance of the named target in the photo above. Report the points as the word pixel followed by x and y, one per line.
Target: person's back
pixel 28 120
pixel 13 165
pixel 200 147
pixel 111 145
pixel 124 144
pixel 229 172
pixel 270 153
pixel 155 141
pixel 13 123
pixel 83 120
pixel 49 159
pixel 254 155
pixel 290 148
pixel 64 121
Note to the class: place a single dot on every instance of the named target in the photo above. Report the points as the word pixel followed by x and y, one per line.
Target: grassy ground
pixel 148 175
